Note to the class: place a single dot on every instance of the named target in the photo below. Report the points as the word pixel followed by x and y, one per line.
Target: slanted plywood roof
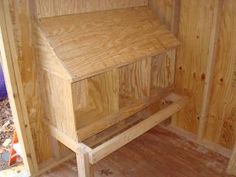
pixel 91 43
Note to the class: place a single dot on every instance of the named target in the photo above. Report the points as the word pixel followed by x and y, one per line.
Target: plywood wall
pixel 221 125
pixel 167 11
pixel 195 24
pixel 195 28
pixel 48 8
pixel 205 67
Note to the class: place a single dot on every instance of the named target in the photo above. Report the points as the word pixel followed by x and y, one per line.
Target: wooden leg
pixel 83 165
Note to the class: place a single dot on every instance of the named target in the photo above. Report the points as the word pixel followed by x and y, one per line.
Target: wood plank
pixel 210 69
pixel 154 154
pixel 164 10
pixel 124 113
pixel 168 11
pixel 222 110
pixel 21 18
pixel 204 143
pixel 52 164
pixel 114 39
pixel 47 58
pixel 120 140
pixel 15 89
pixel 123 125
pixel 83 165
pixel 196 26
pixel 134 81
pixel 48 8
pixel 98 98
pixel 163 70
pixel 58 110
pixel 64 138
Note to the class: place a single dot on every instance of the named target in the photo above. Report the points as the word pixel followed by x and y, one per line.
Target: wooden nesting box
pixel 99 69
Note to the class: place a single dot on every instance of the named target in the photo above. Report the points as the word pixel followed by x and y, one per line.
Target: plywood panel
pixel 163 70
pixel 134 81
pixel 195 28
pixel 106 40
pixel 221 125
pixel 57 102
pixel 47 59
pixel 164 10
pixel 95 98
pixel 48 8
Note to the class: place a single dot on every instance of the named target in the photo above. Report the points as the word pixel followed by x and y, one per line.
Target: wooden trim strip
pixel 210 69
pixel 205 143
pixel 120 140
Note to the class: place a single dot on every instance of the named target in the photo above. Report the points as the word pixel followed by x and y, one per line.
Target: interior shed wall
pixel 205 66
pixel 221 127
pixel 197 30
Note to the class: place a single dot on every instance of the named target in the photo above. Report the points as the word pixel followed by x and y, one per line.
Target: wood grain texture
pixel 49 8
pixel 88 44
pixel 46 57
pixel 84 167
pixel 154 154
pixel 222 110
pixel 95 98
pixel 57 102
pixel 104 100
pixel 130 109
pixel 210 68
pixel 192 57
pixel 21 19
pixel 15 91
pixel 134 81
pixel 152 119
pixel 164 10
pixel 163 70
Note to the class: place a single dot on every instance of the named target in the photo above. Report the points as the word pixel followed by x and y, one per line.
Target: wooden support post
pixel 83 165
pixel 12 74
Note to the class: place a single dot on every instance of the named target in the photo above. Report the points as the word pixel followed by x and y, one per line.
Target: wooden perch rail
pixel 88 154
pixel 125 137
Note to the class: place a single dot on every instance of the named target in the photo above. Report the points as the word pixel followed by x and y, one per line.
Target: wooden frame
pixel 87 156
pixel 15 89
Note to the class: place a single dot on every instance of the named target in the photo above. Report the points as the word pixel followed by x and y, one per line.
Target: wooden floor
pixel 158 153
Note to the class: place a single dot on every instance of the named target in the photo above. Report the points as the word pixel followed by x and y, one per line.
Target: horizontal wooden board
pixel 48 8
